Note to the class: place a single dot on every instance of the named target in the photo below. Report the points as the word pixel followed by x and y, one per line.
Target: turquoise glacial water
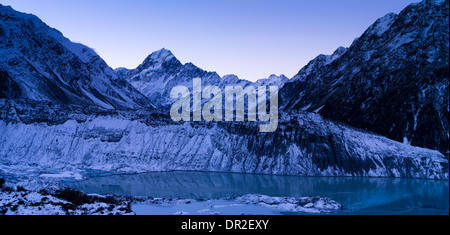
pixel 367 196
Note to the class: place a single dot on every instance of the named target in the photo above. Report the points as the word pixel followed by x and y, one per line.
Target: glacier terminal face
pixel 305 144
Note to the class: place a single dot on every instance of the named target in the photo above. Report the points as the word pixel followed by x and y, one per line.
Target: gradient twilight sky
pixel 250 38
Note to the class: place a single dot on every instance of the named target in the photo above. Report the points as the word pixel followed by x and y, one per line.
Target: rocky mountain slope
pixel 393 80
pixel 37 62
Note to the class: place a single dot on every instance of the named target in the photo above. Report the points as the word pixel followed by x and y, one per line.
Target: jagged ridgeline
pixel 63 108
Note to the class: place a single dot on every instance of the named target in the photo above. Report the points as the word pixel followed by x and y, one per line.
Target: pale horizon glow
pixel 250 38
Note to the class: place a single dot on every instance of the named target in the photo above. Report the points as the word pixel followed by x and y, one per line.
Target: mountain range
pixel 357 112
pixel 161 71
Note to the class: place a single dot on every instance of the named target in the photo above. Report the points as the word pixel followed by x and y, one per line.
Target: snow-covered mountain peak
pixel 8 11
pixel 340 51
pixel 317 63
pixel 230 78
pixel 277 78
pixel 159 60
pixel 273 80
pixel 190 67
pixel 161 55
pixel 382 24
pixel 273 76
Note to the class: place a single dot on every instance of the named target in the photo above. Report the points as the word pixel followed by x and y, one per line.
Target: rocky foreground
pixel 50 198
pixel 55 199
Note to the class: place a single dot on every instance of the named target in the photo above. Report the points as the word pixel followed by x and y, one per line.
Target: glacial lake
pixel 367 196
